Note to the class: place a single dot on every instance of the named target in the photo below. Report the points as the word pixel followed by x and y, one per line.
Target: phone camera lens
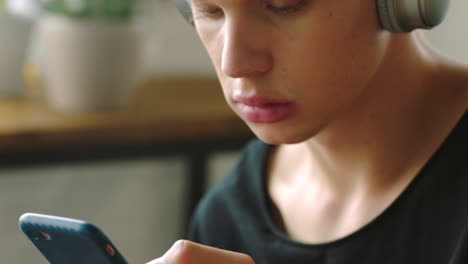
pixel 110 250
pixel 45 236
pixel 36 236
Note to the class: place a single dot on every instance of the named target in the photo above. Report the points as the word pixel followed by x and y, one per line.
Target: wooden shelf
pixel 163 109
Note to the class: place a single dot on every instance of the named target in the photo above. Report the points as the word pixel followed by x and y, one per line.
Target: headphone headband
pixel 398 16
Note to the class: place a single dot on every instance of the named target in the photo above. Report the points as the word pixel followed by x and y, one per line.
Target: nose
pixel 245 51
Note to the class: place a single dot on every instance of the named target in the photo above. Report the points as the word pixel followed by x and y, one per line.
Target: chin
pixel 275 135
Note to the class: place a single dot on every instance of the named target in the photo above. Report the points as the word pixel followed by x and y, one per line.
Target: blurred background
pixel 138 199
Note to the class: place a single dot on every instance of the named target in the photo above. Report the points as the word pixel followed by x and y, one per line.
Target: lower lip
pixel 268 113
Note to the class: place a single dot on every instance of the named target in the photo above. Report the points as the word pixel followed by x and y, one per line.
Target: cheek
pixel 343 49
pixel 333 62
pixel 214 45
pixel 328 76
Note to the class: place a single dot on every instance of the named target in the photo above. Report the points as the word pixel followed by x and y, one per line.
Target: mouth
pixel 260 109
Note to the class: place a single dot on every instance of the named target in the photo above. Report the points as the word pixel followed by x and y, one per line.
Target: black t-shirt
pixel 427 223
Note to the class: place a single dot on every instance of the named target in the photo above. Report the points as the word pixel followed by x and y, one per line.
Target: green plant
pixel 91 9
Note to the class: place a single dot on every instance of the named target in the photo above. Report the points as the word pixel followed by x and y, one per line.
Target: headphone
pixel 398 16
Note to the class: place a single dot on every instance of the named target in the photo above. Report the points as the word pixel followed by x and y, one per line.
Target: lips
pixel 260 109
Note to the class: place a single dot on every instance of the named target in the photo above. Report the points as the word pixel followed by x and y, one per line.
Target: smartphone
pixel 69 241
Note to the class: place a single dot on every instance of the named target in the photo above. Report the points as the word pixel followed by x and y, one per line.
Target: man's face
pixel 289 68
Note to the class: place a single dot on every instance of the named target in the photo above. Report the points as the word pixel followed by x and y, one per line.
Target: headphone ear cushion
pixel 185 9
pixel 434 11
pixel 403 16
pixel 387 16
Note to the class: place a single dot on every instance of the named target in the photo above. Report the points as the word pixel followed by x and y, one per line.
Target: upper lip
pixel 259 100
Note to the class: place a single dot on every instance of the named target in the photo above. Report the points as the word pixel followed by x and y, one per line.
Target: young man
pixel 363 146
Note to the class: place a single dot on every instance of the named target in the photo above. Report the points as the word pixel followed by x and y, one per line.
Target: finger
pixel 157 261
pixel 185 251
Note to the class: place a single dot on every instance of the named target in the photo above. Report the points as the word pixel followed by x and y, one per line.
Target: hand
pixel 186 252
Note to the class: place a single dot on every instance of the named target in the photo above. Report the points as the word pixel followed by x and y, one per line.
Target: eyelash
pixel 285 10
pixel 207 13
pixel 213 12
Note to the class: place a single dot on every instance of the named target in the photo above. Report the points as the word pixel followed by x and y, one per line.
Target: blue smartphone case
pixel 69 241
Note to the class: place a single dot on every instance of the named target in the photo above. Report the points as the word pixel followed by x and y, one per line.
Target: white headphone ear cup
pixel 402 16
pixel 387 16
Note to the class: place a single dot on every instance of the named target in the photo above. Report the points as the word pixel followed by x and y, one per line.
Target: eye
pixel 284 6
pixel 206 11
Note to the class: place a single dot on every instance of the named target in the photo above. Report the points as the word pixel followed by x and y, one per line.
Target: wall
pixel 452 36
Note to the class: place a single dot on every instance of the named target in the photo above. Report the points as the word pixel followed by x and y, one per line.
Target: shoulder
pixel 452 76
pixel 450 168
pixel 233 197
